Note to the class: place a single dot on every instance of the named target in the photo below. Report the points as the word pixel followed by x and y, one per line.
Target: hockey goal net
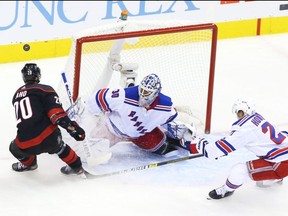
pixel 180 53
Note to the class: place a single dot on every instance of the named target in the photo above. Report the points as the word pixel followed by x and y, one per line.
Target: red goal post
pixel 182 55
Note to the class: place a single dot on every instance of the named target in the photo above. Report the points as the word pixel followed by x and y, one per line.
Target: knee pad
pixel 59 147
pixel 13 148
pixel 59 150
pixel 16 151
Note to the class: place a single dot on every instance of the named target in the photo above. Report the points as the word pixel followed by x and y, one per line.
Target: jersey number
pixel 23 109
pixel 277 140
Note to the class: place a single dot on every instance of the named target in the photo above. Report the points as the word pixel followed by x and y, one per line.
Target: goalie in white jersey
pixel 140 113
pixel 259 136
pixel 134 114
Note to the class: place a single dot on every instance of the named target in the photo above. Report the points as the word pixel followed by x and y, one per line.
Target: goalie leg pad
pixel 103 131
pixel 114 58
pixel 128 67
pixel 96 151
pixel 261 169
pixel 151 141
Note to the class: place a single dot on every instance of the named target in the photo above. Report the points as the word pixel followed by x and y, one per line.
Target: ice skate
pixel 67 170
pixel 219 193
pixel 19 167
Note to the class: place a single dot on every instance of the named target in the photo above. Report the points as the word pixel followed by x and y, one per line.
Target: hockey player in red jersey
pixel 38 113
pixel 257 135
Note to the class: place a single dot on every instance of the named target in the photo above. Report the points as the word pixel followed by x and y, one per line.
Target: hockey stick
pixel 90 158
pixel 67 87
pixel 143 167
pixel 114 56
pixel 102 82
pixel 71 110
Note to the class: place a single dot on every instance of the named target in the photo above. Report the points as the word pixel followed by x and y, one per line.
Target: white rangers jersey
pixel 126 118
pixel 257 135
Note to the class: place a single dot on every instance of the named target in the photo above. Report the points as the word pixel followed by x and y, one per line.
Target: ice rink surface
pixel 251 66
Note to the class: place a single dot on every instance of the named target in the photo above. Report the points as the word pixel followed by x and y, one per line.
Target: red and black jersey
pixel 37 108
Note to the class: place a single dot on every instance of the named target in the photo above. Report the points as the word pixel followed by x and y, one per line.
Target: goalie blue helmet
pixel 149 89
pixel 31 73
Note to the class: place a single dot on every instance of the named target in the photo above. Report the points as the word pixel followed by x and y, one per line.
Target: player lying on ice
pixel 140 113
pixel 256 134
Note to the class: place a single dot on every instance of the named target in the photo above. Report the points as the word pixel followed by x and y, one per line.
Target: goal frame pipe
pixel 159 31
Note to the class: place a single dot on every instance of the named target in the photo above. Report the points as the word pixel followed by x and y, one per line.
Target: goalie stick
pixel 103 81
pixel 143 167
pixel 90 158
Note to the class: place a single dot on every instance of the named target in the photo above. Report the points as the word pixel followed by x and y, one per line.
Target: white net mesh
pixel 180 59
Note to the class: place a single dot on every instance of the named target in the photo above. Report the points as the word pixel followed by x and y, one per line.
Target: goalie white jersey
pixel 125 117
pixel 256 134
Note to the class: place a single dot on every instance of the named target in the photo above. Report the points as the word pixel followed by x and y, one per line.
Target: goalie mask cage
pixel 180 53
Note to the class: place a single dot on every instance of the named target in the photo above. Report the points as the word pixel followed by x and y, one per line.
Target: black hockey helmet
pixel 31 73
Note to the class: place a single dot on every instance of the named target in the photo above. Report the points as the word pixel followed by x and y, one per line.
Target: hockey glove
pixel 72 128
pixel 197 146
pixel 76 131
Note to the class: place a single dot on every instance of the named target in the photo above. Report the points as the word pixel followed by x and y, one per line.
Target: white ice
pixel 252 66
